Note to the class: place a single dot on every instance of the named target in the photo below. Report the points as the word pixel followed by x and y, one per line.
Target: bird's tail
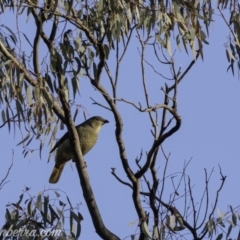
pixel 56 173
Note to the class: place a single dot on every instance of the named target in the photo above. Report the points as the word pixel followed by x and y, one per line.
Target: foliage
pixel 233 43
pixel 40 82
pixel 41 218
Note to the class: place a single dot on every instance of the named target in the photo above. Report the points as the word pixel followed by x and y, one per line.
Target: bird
pixel 87 133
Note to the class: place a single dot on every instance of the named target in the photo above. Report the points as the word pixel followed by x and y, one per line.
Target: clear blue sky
pixel 209 104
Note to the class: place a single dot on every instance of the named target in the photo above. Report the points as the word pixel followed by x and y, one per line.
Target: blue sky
pixel 209 105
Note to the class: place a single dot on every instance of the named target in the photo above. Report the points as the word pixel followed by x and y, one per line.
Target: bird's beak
pixel 105 121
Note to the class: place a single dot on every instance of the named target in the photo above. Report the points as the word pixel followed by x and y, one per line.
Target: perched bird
pixel 87 133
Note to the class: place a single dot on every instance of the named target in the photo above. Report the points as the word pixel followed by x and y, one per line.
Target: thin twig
pixel 157 71
pixel 4 182
pixel 119 179
pixel 192 203
pixel 99 104
pixel 206 191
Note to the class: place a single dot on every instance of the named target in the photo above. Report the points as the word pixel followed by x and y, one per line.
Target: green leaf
pixel 75 86
pixel 8 119
pixel 14 38
pixel 28 142
pixel 39 201
pixel 77 42
pixel 219 237
pixel 29 96
pixel 27 40
pixel 45 209
pixel 203 37
pixel 54 133
pixel 20 199
pixel 229 231
pixel 219 221
pixel 53 214
pixel 158 38
pixel 8 215
pixel 156 234
pixel 29 208
pixel 57 194
pixel 106 50
pixel 210 226
pixel 100 6
pixel 179 220
pixel 78 65
pixel 172 221
pixel 75 114
pixel 145 230
pixel 61 203
pixel 168 45
pixel 162 232
pixel 48 97
pixel 178 42
pixel 227 54
pixel 21 223
pixel 75 216
pixel 234 219
pixel 25 139
pixel 19 111
pixel 231 55
pixel 78 230
pixel 69 202
pixel 3 116
pixel 49 81
pixel 40 149
pixel 131 223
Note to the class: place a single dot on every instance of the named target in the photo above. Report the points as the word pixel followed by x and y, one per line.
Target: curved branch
pixel 36 42
pixel 102 231
pixel 122 150
pixel 158 142
pixel 119 179
pixel 54 29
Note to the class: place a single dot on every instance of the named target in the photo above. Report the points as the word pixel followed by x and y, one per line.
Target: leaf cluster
pixel 41 217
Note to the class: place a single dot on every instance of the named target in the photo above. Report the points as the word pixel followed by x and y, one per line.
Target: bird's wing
pixel 61 140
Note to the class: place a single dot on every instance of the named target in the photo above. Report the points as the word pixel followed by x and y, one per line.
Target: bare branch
pixel 157 71
pixel 206 191
pixel 119 179
pixel 192 203
pixel 148 109
pixel 122 150
pixel 4 182
pixel 158 142
pixel 99 104
pixel 102 231
pixel 180 78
